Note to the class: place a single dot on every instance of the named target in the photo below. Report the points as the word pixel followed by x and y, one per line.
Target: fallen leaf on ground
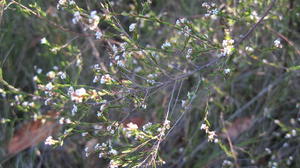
pixel 32 133
pixel 237 127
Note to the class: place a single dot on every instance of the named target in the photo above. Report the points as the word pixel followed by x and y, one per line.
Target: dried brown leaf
pixel 32 133
pixel 237 127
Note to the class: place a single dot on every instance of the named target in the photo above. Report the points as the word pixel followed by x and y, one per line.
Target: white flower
pixel 78 95
pixel 211 135
pixel 165 45
pixel 204 127
pixel 49 86
pixel 43 40
pixel 115 49
pixel 123 46
pixel 167 124
pixel 186 31
pixel 277 43
pixel 113 151
pixel 68 121
pixel 93 14
pixel 70 90
pixel 189 52
pixel 227 70
pixel 113 164
pixel 184 103
pixel 131 126
pixel 76 17
pixel 47 101
pixel 61 121
pixel 181 21
pixel 74 109
pixel 98 35
pixel 61 2
pixel 62 75
pixel 55 68
pixel 138 69
pixel 50 141
pixel 98 127
pixel 102 107
pixel 268 150
pixel 51 74
pixel 84 134
pixel 39 71
pixel 105 79
pixel 71 2
pixel 120 63
pixel 93 20
pixel 132 27
pixel 250 49
pixel 25 103
pixel 80 92
pixel 227 47
pixel 96 79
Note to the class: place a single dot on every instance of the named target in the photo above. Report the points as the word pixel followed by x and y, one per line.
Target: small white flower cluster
pixel 44 40
pixel 254 16
pixel 87 152
pixel 129 129
pixel 228 47
pixel 227 163
pixel 184 104
pixel 38 70
pixel 50 141
pixel 277 43
pixel 151 79
pixel 111 129
pixel 98 35
pixel 211 134
pixel 227 70
pixel 105 79
pixel 105 149
pixel 272 164
pixel 188 54
pixel 96 67
pixel 166 126
pixel 211 8
pixel 27 104
pixel 94 21
pixel 119 55
pixel 268 150
pixel 62 75
pixel 97 128
pixel 293 133
pixel 132 27
pixel 289 160
pixel 102 108
pixel 182 23
pixel 74 110
pixel 76 17
pixel 249 49
pixel 51 74
pixel 64 2
pixel 146 127
pixel 64 121
pixel 77 95
pixel 113 164
pixel 165 45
